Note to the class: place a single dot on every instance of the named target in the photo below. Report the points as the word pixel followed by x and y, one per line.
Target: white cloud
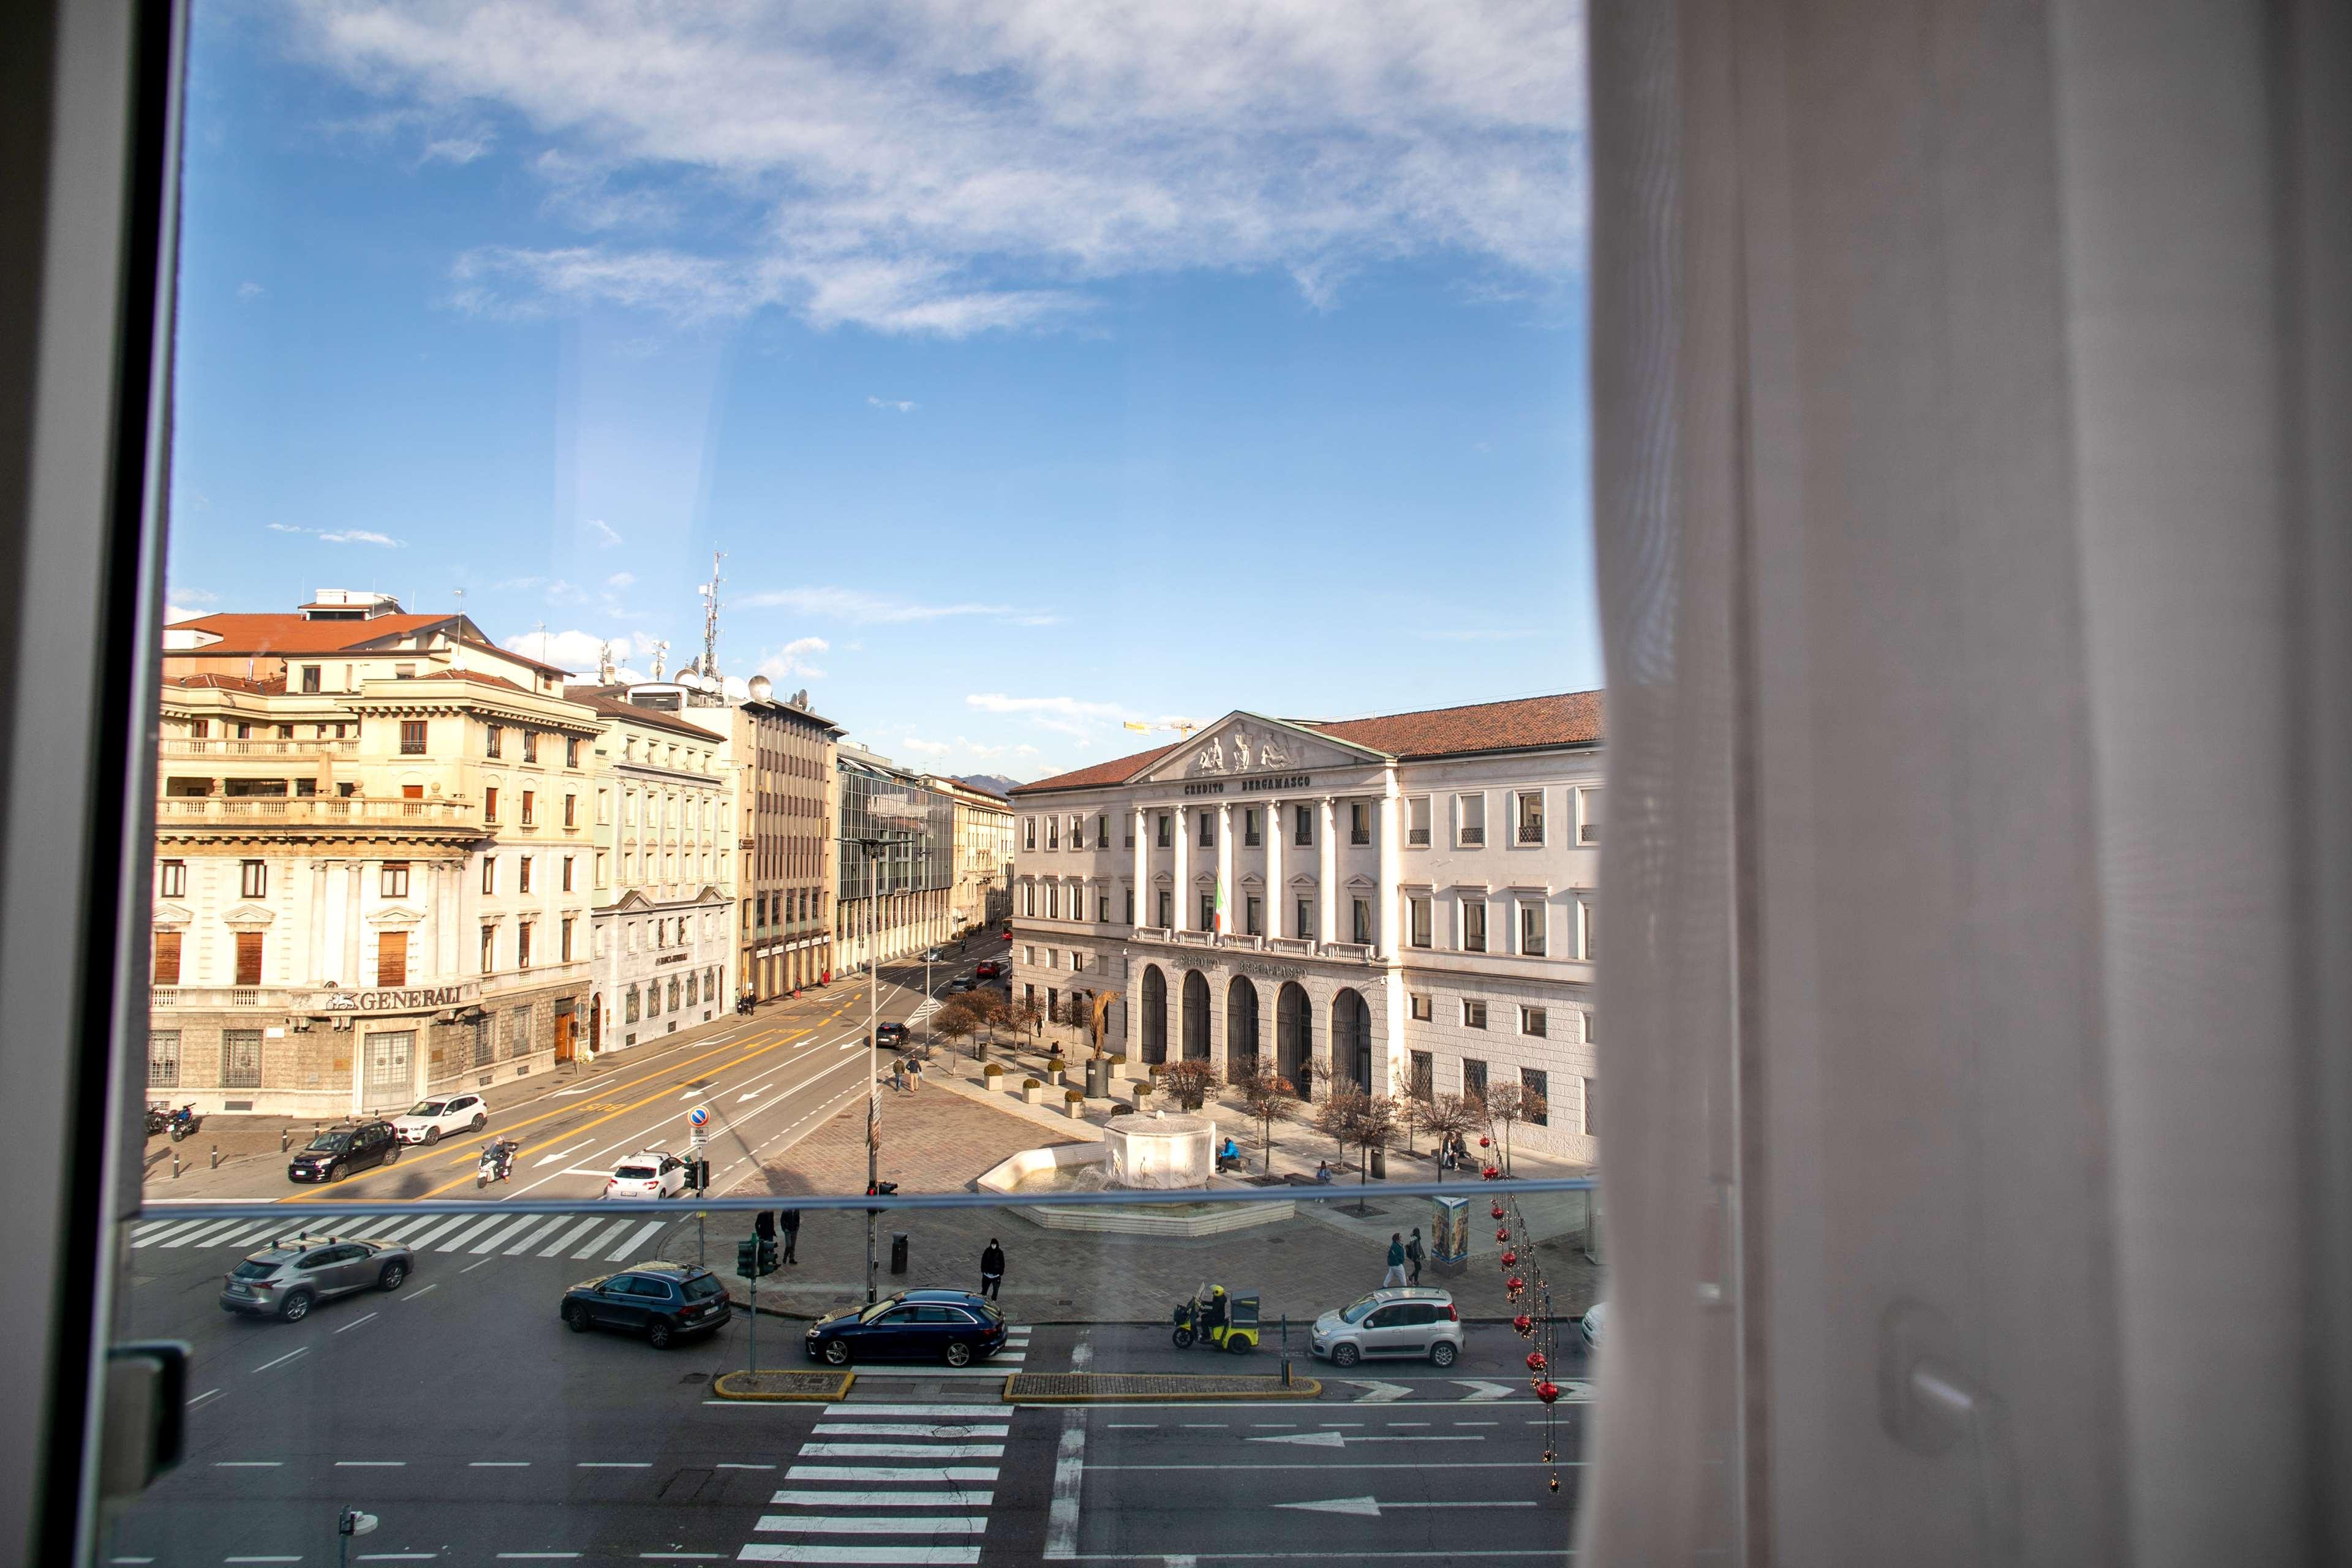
pixel 249 292
pixel 953 166
pixel 342 536
pixel 194 595
pixel 792 660
pixel 605 535
pixel 900 408
pixel 862 608
pixel 1061 707
pixel 1025 751
pixel 925 748
pixel 174 614
pixel 620 580
pixel 458 148
pixel 574 650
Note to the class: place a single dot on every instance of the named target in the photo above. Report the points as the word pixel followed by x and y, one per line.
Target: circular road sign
pixel 699 1116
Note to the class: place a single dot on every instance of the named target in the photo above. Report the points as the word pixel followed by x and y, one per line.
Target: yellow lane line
pixel 317 1193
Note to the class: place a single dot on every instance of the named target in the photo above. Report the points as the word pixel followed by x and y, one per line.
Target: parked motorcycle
pixel 158 1117
pixel 496 1163
pixel 183 1122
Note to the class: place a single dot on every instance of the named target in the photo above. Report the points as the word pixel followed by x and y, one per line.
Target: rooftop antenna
pixel 604 663
pixel 710 592
pixel 661 655
pixel 540 628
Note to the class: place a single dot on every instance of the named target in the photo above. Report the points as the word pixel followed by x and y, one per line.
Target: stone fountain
pixel 1158 1153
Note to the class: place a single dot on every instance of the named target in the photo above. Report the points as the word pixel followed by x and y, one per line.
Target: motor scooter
pixel 496 1163
pixel 158 1117
pixel 184 1123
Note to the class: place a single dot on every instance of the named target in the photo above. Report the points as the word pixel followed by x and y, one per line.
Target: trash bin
pixel 898 1252
pixel 1381 1164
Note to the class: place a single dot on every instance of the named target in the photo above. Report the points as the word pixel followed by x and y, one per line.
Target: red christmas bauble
pixel 1486 1142
pixel 1510 1257
pixel 1546 1392
pixel 1538 1361
pixel 1502 1233
pixel 1497 1211
pixel 1514 1285
pixel 1493 1173
pixel 1524 1324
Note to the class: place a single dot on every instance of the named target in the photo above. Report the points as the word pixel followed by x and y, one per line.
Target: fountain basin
pixel 1160 1153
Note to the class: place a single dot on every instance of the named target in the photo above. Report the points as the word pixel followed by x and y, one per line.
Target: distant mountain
pixel 994 782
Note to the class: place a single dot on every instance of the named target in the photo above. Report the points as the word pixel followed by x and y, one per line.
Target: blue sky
pixel 1036 367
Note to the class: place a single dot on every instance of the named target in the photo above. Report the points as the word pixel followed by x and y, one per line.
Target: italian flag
pixel 1222 920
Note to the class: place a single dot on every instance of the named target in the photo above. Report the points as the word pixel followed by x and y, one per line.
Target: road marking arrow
pixel 1371 1508
pixel 1341 1439
pixel 1483 1391
pixel 1306 1439
pixel 550 1159
pixel 1380 1392
pixel 752 1094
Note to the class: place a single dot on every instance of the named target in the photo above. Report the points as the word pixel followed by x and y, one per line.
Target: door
pixel 563 1031
pixel 615 1304
pixel 595 1024
pixel 350 1266
pixel 374 1142
pixel 890 1335
pixel 1384 1331
pixel 458 1115
pixel 387 1062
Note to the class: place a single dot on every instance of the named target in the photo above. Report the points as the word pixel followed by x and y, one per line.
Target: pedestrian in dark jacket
pixel 790 1219
pixel 1396 1276
pixel 992 1271
pixel 1413 1253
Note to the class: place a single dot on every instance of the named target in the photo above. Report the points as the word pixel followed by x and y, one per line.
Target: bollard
pixel 215 1165
pixel 284 1139
pixel 175 1165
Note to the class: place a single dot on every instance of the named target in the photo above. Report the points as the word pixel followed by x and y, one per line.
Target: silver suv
pixel 289 1276
pixel 1403 1321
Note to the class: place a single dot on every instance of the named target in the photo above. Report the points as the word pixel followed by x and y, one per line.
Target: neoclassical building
pixel 1404 903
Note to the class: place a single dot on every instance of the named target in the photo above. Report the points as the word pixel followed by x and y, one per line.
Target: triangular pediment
pixel 394 918
pixel 1249 745
pixel 170 916
pixel 631 901
pixel 248 916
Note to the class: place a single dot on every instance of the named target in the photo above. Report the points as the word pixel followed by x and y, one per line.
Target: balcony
pixel 316 812
pixel 1418 836
pixel 1471 837
pixel 216 748
pixel 1531 832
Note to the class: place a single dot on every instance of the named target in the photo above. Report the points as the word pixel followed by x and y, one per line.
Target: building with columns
pixel 371 878
pixel 1402 903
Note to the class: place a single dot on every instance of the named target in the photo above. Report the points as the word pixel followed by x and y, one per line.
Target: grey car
pixel 1400 1321
pixel 289 1276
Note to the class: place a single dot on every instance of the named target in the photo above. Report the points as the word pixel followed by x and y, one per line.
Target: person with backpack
pixel 1413 1255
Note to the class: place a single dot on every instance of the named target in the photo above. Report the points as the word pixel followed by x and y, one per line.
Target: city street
pixel 460 1412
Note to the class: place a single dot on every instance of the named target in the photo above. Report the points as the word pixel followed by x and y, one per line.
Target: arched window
pixel 1294 1038
pixel 1155 1015
pixel 1241 1028
pixel 1196 1016
pixel 1351 1041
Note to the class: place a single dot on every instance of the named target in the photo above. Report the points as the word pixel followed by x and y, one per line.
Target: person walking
pixel 789 1221
pixel 1396 1276
pixel 992 1271
pixel 915 1073
pixel 899 1075
pixel 1413 1255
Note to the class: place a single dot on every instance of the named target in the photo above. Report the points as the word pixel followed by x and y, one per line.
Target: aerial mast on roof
pixel 604 664
pixel 710 592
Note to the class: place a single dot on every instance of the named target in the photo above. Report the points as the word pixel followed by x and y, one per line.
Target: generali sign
pixel 422 999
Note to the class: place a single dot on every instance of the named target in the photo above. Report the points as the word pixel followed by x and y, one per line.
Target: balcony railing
pixel 1590 833
pixel 1531 832
pixel 1473 835
pixel 1416 835
pixel 324 811
pixel 220 748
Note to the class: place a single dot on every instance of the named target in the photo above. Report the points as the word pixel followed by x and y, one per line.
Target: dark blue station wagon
pixel 953 1326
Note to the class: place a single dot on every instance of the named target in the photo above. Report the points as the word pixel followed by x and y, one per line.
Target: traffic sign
pixel 700 1115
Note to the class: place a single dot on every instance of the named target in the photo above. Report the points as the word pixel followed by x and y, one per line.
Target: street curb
pixel 837 1386
pixel 1272 1387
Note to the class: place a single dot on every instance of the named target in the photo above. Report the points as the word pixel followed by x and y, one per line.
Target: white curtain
pixel 1973 431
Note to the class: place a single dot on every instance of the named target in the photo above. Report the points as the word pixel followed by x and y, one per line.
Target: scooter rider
pixel 1213 1318
pixel 498 1158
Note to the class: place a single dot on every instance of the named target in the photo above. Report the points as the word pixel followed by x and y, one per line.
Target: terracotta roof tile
pixel 618 708
pixel 281 634
pixel 274 687
pixel 1569 719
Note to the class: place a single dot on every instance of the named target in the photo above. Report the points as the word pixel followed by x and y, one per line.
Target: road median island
pixel 783 1385
pixel 1113 1387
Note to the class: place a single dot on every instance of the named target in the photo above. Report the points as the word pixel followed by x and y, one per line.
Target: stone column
pixel 1225 866
pixel 354 977
pixel 427 934
pixel 1142 868
pixel 1327 890
pixel 317 956
pixel 1277 897
pixel 1182 916
pixel 1387 920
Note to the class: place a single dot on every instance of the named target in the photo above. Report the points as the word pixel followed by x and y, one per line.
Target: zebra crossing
pixel 889 1484
pixel 600 1237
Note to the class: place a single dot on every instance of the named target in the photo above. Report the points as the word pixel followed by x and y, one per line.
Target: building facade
pixel 982 898
pixel 665 949
pixel 786 784
pixel 897 865
pixel 1404 904
pixel 373 845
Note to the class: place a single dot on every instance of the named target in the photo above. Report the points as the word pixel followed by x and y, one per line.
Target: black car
pixel 888 1036
pixel 663 1301
pixel 337 1152
pixel 953 1326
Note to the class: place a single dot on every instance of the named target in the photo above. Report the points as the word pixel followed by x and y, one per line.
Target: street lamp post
pixel 874 849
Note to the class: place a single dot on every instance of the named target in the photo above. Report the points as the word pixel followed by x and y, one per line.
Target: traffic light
pixel 767 1254
pixel 747 1258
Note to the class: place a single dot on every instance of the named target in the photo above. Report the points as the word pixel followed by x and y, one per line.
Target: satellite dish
pixel 760 687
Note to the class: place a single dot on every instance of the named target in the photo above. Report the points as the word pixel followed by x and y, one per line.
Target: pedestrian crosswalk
pixel 839 1508
pixel 600 1237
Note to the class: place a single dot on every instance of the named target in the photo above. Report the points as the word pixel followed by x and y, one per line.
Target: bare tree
pixel 1335 1116
pixel 988 1006
pixel 1189 1082
pixel 957 1021
pixel 1445 1117
pixel 1269 1098
pixel 1027 1015
pixel 1376 1122
pixel 1507 1103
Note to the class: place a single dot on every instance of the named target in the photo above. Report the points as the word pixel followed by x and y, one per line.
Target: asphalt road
pixel 767 1081
pixel 460 1412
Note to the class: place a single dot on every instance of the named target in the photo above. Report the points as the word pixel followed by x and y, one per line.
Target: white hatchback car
pixel 656 1173
pixel 430 1121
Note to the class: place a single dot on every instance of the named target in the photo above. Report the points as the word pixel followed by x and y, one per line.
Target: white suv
pixel 430 1121
pixel 656 1173
pixel 1410 1321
